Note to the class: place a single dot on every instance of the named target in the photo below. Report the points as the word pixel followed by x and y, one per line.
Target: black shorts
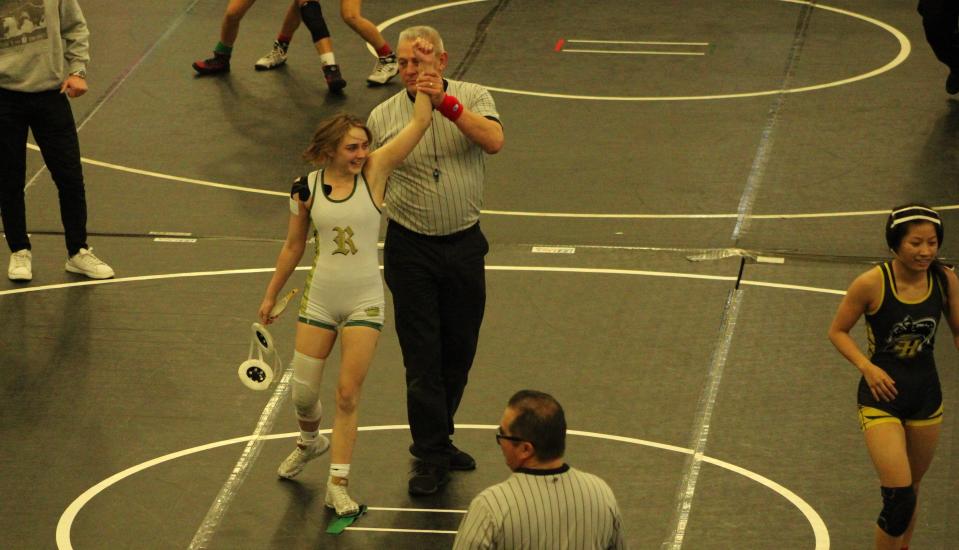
pixel 918 402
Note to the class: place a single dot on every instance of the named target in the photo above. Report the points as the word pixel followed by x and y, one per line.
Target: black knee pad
pixel 898 504
pixel 312 17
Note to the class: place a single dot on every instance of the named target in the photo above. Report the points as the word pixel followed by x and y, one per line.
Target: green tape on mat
pixel 339 524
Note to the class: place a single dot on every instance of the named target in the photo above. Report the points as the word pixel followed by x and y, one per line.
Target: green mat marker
pixel 340 524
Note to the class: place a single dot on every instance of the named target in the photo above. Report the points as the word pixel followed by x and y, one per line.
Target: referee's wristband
pixel 450 107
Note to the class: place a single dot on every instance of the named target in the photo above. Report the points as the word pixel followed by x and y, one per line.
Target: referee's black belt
pixel 451 238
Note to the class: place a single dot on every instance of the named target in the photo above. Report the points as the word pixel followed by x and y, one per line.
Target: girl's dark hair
pixel 328 136
pixel 907 215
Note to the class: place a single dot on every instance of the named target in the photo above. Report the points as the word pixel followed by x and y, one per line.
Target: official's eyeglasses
pixel 500 435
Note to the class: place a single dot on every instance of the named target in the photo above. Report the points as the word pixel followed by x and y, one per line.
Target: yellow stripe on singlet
pixel 871 416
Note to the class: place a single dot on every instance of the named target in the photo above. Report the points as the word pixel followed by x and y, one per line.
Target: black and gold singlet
pixel 902 337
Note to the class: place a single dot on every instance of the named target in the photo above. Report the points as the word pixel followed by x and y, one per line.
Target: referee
pixel 434 255
pixel 939 21
pixel 542 505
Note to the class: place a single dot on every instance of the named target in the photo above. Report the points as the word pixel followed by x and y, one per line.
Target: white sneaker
pixel 20 266
pixel 272 60
pixel 338 499
pixel 294 463
pixel 86 263
pixel 385 69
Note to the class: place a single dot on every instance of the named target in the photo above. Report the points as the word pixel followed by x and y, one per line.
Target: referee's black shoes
pixel 427 478
pixel 952 82
pixel 459 460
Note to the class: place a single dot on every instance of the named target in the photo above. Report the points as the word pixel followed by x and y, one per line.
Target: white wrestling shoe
pixel 297 460
pixel 272 60
pixel 339 500
pixel 385 69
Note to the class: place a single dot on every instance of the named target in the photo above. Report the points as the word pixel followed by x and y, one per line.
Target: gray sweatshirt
pixel 41 42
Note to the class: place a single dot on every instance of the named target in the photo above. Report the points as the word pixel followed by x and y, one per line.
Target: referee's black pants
pixel 439 295
pixel 49 115
pixel 939 20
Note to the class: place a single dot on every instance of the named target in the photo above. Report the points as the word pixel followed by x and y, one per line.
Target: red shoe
pixel 219 63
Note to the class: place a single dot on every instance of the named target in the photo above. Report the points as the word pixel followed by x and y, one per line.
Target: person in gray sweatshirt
pixel 44 50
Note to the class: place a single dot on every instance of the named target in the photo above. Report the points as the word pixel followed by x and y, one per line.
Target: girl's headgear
pixel 895 224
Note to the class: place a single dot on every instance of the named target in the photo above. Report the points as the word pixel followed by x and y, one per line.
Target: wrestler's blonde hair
pixel 328 136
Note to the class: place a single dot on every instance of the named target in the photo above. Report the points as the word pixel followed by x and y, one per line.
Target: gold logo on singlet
pixel 344 241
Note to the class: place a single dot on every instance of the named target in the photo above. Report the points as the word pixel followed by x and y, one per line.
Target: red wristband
pixel 450 107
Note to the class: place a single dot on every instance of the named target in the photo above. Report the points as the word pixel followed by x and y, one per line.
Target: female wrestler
pixel 900 401
pixel 344 291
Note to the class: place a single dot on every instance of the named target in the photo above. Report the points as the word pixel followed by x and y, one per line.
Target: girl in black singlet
pixel 899 397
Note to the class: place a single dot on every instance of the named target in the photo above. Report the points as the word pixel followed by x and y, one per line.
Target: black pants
pixel 439 295
pixel 939 20
pixel 49 115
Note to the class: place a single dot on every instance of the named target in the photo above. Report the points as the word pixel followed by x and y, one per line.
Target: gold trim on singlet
pixel 882 291
pixel 895 293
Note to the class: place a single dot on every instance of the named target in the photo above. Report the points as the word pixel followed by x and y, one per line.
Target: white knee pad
pixel 307 378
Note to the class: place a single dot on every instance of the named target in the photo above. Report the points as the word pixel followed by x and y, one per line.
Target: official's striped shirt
pixel 414 197
pixel 561 509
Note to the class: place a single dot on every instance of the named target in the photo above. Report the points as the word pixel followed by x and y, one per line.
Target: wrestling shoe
pixel 272 60
pixel 20 268
pixel 385 69
pixel 85 263
pixel 333 78
pixel 338 499
pixel 219 63
pixel 294 463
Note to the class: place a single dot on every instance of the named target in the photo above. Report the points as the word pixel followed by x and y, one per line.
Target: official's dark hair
pixel 328 136
pixel 541 421
pixel 907 215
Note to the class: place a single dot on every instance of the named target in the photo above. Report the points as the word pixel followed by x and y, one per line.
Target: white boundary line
pixel 793 287
pixel 648 42
pixel 398 530
pixel 423 510
pixel 905 47
pixel 65 523
pixel 545 269
pixel 521 213
pixel 169 177
pixel 635 52
pixel 574 215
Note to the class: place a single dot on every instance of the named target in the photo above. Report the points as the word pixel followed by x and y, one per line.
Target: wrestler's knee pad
pixel 898 504
pixel 312 16
pixel 307 378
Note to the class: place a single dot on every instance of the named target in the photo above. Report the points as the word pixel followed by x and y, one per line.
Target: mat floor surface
pixel 650 147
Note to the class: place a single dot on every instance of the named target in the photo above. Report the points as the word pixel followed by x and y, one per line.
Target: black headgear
pixel 898 220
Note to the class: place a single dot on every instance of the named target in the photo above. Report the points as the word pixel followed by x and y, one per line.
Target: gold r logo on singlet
pixel 344 241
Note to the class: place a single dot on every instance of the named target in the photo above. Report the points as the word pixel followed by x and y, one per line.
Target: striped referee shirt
pixel 561 509
pixel 438 189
